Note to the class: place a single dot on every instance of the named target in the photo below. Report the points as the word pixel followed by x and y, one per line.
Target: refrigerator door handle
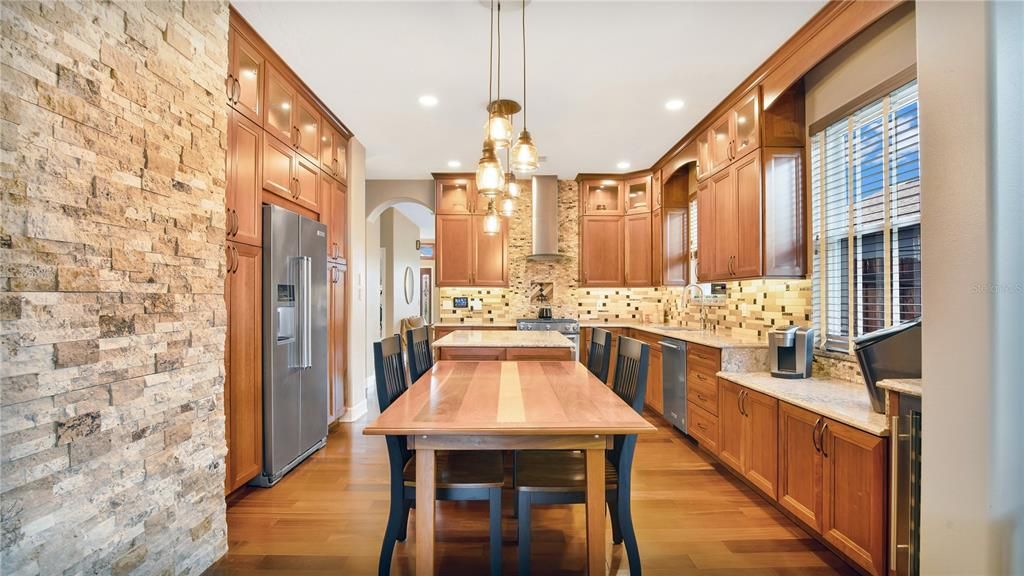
pixel 306 329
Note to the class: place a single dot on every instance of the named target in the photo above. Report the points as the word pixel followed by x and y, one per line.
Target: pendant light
pixel 524 153
pixel 499 119
pixel 492 223
pixel 490 177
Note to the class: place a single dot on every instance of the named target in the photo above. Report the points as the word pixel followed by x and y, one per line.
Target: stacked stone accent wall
pixel 112 314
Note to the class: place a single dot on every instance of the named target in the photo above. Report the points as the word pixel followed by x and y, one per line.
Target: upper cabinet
pixel 307 129
pixel 732 136
pixel 332 152
pixel 744 122
pixel 280 107
pixel 246 69
pixel 601 197
pixel 656 190
pixel 638 195
pixel 456 196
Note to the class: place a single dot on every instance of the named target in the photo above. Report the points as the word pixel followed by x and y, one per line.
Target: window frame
pixel 823 236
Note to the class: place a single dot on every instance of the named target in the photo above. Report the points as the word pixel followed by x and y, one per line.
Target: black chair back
pixel 631 385
pixel 599 355
pixel 389 371
pixel 420 357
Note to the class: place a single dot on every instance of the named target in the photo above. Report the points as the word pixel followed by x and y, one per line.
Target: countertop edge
pixel 912 386
pixel 747 380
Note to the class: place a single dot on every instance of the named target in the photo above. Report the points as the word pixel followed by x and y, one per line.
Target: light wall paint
pixel 374 282
pixel 398 236
pixel 383 194
pixel 971 511
pixel 881 51
pixel 355 384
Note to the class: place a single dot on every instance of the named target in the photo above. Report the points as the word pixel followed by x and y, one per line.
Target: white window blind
pixel 866 221
pixel 693 239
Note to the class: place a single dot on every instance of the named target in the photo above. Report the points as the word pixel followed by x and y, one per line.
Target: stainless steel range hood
pixel 545 219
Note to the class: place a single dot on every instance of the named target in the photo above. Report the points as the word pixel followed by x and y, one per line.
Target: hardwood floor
pixel 691 517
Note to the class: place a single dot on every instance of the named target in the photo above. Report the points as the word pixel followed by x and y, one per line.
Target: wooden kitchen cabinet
pixel 638 194
pixel 703 156
pixel 245 77
pixel 601 197
pixel 490 254
pixel 455 196
pixel 245 140
pixel 454 249
pixel 834 479
pixel 307 183
pixel 655 386
pixel 280 99
pixel 278 168
pixel 732 136
pixel 637 249
pixel 656 190
pixel 855 483
pixel 336 339
pixel 733 227
pixel 658 260
pixel 333 207
pixel 333 149
pixel 307 130
pixel 243 385
pixel 800 464
pixel 705 232
pixel 601 251
pixel 722 230
pixel 747 181
pixel 748 434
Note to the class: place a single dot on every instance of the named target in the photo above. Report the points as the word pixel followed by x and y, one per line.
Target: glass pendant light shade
pixel 508 207
pixel 492 224
pixel 513 189
pixel 498 130
pixel 490 178
pixel 524 153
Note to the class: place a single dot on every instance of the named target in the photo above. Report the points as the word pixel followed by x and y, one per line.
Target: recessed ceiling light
pixel 428 100
pixel 623 165
pixel 454 164
pixel 674 104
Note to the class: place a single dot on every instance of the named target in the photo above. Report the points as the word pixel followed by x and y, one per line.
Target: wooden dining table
pixel 525 405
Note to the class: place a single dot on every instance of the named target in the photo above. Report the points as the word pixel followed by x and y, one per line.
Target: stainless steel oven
pixel 905 469
pixel 568 327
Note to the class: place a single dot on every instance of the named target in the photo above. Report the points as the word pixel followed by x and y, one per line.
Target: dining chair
pixel 461 475
pixel 599 355
pixel 559 476
pixel 420 357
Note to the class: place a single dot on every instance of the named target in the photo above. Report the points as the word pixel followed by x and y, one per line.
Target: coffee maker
pixel 791 351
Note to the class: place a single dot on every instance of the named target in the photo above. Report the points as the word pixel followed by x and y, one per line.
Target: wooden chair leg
pixel 523 503
pixel 613 511
pixel 495 513
pixel 628 533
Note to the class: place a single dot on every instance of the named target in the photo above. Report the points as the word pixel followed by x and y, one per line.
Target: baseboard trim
pixel 354 413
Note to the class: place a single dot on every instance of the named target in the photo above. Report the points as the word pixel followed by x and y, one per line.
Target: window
pixel 693 239
pixel 865 207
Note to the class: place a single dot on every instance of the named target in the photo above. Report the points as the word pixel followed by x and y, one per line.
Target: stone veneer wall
pixel 112 315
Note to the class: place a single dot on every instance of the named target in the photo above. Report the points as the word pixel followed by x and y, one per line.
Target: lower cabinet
pixel 242 390
pixel 748 433
pixel 498 353
pixel 834 478
pixel 336 339
pixel 655 397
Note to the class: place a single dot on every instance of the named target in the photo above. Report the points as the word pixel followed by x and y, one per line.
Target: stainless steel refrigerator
pixel 294 341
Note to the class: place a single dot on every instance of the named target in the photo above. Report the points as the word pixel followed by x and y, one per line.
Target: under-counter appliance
pixel 568 327
pixel 673 381
pixel 294 341
pixel 791 352
pixel 893 352
pixel 905 470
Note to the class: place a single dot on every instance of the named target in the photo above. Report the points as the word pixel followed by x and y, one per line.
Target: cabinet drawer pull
pixel 814 436
pixel 237 90
pixel 701 426
pixel 701 397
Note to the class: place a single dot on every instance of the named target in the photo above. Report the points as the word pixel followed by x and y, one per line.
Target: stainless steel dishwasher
pixel 673 379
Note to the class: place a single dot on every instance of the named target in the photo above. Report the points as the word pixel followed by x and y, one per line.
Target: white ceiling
pixel 599 72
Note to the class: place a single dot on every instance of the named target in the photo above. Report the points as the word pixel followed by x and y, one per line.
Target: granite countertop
pixel 903 385
pixel 703 337
pixel 839 400
pixel 503 339
pixel 471 325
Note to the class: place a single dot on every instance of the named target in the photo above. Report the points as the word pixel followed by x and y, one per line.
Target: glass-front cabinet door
pixel 280 102
pixel 703 156
pixel 721 143
pixel 745 120
pixel 455 196
pixel 307 129
pixel 327 149
pixel 638 195
pixel 602 197
pixel 246 89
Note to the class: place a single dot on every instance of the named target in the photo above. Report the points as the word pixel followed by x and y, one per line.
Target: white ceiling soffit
pixel 600 73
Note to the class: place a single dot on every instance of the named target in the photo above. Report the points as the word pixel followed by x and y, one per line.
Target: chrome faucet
pixel 703 308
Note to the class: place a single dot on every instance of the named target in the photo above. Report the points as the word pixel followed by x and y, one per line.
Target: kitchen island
pixel 503 345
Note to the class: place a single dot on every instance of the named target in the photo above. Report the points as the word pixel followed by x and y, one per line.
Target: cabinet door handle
pixel 229 264
pixel 237 89
pixel 739 402
pixel 894 471
pixel 298 136
pixel 824 430
pixel 814 436
pixel 229 86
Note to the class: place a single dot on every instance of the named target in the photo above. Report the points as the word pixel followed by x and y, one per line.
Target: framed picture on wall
pixel 426 250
